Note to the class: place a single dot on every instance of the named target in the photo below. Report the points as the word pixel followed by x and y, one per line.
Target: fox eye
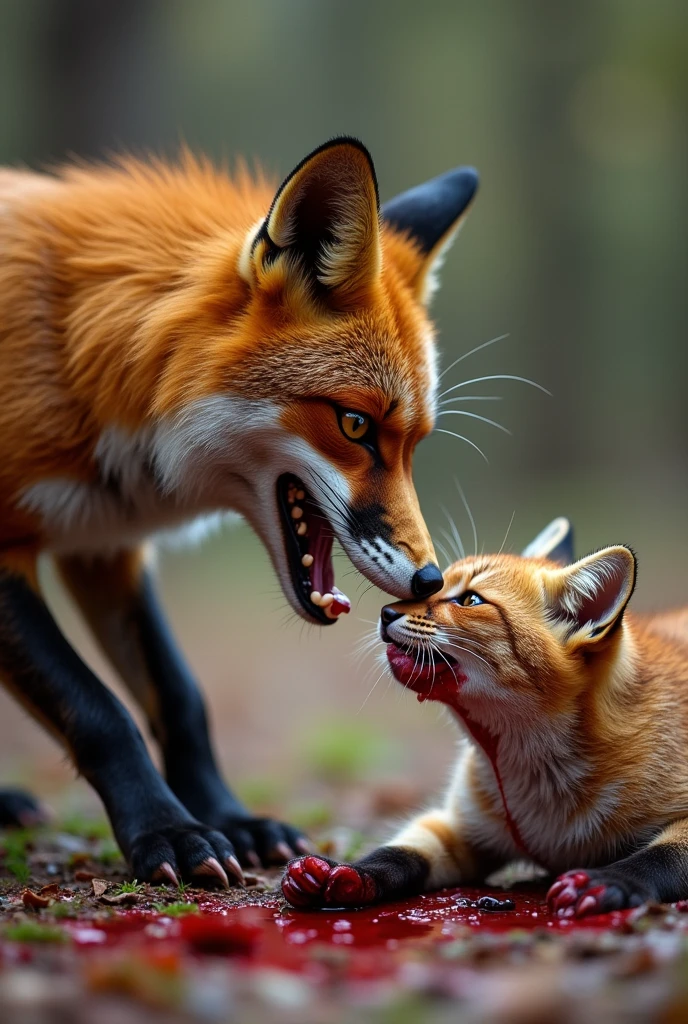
pixel 355 425
pixel 470 599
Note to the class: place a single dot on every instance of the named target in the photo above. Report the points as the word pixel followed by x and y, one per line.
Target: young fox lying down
pixel 575 715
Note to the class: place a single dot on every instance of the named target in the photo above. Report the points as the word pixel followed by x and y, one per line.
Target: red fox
pixel 575 714
pixel 174 342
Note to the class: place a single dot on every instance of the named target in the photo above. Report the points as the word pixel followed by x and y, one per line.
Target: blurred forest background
pixel 575 116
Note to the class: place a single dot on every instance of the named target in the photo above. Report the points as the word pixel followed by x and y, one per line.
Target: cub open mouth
pixel 419 669
pixel 308 538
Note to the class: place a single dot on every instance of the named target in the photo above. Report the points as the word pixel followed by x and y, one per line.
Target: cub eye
pixel 470 599
pixel 355 425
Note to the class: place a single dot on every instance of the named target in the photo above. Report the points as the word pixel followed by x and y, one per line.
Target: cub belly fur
pixel 574 715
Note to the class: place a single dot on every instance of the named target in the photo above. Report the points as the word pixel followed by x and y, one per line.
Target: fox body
pixel 575 717
pixel 175 342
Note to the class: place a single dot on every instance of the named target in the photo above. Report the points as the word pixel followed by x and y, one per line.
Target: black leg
pixel 657 872
pixel 20 809
pixel 118 598
pixel 157 834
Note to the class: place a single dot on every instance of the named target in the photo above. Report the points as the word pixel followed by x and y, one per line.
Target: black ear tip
pixel 466 181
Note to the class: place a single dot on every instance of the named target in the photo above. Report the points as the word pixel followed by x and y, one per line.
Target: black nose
pixel 426 581
pixel 389 614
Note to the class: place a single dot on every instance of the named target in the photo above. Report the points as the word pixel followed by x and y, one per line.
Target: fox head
pixel 512 638
pixel 327 383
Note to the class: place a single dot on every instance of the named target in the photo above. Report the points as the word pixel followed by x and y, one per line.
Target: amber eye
pixel 470 599
pixel 355 425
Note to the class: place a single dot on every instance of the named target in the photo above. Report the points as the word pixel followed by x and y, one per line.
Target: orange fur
pixel 577 716
pixel 121 302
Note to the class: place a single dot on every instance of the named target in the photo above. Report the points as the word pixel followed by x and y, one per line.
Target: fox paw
pixel 582 893
pixel 316 882
pixel 260 842
pixel 21 810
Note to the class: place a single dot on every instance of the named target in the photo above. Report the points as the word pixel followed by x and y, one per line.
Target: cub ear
pixel 323 228
pixel 555 543
pixel 590 596
pixel 431 215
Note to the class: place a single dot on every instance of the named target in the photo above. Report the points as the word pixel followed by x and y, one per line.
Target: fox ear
pixel 430 215
pixel 555 543
pixel 323 227
pixel 589 597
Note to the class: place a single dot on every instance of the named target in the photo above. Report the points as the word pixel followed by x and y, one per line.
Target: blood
pixel 442 682
pixel 269 929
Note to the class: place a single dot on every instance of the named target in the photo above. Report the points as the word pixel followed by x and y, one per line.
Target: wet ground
pixel 78 943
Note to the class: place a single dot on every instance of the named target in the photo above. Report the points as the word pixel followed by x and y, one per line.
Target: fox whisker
pixel 474 416
pixel 439 430
pixel 478 348
pixel 496 376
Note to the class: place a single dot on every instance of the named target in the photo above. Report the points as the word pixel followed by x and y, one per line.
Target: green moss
pixel 127 887
pixel 87 828
pixel 16 844
pixel 65 908
pixel 34 931
pixel 109 853
pixel 176 909
pixel 342 752
pixel 310 815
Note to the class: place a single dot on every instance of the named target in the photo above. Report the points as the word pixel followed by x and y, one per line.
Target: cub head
pixel 333 374
pixel 510 637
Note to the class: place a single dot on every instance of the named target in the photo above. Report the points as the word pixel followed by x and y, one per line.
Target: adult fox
pixel 174 341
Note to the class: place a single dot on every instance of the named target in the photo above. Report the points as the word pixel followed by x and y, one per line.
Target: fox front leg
pixel 117 597
pixel 157 835
pixel 657 872
pixel 429 853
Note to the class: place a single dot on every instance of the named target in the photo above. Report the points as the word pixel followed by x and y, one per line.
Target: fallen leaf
pixel 99 886
pixel 50 890
pixel 83 875
pixel 34 900
pixel 123 898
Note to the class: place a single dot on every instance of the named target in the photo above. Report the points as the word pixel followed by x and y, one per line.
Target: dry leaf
pixel 123 898
pixel 82 875
pixel 50 890
pixel 99 886
pixel 33 900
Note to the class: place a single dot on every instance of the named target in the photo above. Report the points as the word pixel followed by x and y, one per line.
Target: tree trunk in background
pixel 100 88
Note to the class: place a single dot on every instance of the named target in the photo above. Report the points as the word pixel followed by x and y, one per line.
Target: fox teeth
pixel 302 529
pixel 296 512
pixel 300 495
pixel 307 561
pixel 316 597
pixel 326 600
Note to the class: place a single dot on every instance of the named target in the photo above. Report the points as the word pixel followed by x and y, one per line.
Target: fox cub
pixel 575 717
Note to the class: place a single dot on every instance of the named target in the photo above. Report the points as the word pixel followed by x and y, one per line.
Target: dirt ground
pixel 79 942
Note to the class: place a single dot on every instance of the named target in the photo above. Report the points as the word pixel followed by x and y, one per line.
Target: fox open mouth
pixel 308 537
pixel 420 669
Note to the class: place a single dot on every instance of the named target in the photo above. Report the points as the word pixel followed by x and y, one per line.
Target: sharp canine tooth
pixel 296 512
pixel 307 560
pixel 300 495
pixel 326 600
pixel 316 597
pixel 301 529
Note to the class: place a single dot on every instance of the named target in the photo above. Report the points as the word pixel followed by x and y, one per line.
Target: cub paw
pixel 316 882
pixel 583 893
